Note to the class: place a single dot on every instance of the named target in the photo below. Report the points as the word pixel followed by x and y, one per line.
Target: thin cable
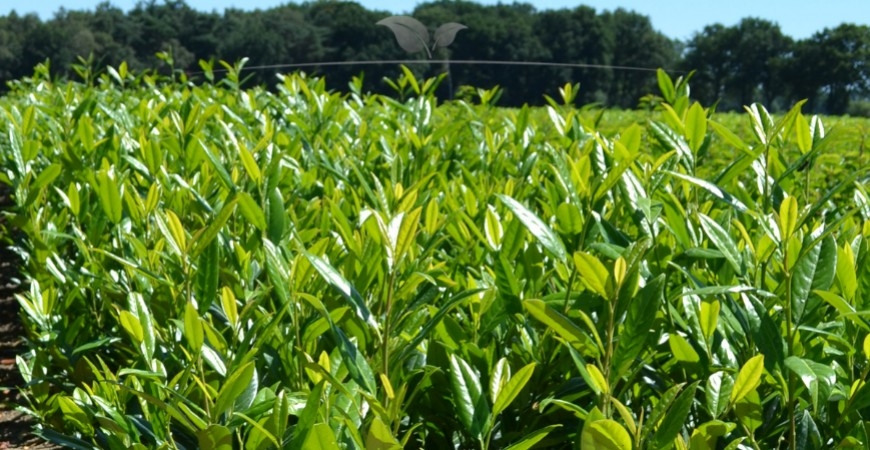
pixel 448 61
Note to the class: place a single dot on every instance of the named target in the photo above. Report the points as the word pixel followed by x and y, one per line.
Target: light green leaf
pixel 110 196
pixel 709 318
pixel 722 240
pixel 275 215
pixel 321 437
pixel 468 399
pixel 493 229
pixel 512 388
pixel 803 133
pixel 529 440
pixel 193 328
pixel 717 392
pixel 380 437
pixel 131 325
pixel 696 126
pixel 601 384
pixel 563 326
pixel 711 188
pixel 337 281
pixel 788 213
pixel 707 434
pixel 251 210
pixel 408 232
pixel 604 434
pixel 748 378
pixel 682 350
pixel 548 239
pixel 673 416
pixel 593 274
pixel 215 437
pixel 237 383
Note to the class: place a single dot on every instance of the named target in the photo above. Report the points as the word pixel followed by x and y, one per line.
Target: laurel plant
pixel 215 267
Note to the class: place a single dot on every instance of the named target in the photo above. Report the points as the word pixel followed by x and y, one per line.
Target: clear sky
pixel 675 18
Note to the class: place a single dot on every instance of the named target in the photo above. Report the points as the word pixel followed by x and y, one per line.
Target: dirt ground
pixel 15 426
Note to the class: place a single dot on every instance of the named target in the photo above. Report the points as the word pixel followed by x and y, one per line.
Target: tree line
pixel 617 50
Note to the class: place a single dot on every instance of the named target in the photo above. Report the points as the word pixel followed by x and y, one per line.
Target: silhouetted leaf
pixel 411 35
pixel 445 34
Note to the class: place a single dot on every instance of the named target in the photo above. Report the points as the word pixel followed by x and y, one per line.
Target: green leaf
pixel 229 306
pixel 705 436
pixel 846 273
pixel 321 437
pixel 529 440
pixel 749 412
pixel 748 378
pixel 548 239
pixel 207 274
pixel 563 326
pixel 675 419
pixel 732 139
pixel 601 384
pixel 709 318
pixel 275 215
pixel 355 361
pixel 74 414
pixel 635 335
pixel 251 210
pixel 803 133
pixel 468 399
pixel 237 383
pixel 788 214
pixel 722 241
pixel 492 229
pixel 717 392
pixel 130 323
pixel 666 86
pixel 815 376
pixel 712 189
pixel 682 350
pixel 110 196
pixel 807 434
pixel 593 274
pixel 604 434
pixel 337 281
pixel 307 417
pixel 407 232
pixel 215 437
pixel 696 126
pixel 380 437
pixel 512 388
pixel 140 309
pixel 814 270
pixel 193 328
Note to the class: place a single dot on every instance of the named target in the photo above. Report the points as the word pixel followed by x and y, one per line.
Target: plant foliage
pixel 211 267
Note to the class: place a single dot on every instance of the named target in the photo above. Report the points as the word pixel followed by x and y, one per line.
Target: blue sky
pixel 675 18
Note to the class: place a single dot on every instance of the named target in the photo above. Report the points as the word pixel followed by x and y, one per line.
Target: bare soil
pixel 15 426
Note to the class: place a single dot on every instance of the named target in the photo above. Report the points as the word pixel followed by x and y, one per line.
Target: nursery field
pixel 215 267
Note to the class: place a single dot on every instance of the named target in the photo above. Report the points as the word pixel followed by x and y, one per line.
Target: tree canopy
pixel 615 52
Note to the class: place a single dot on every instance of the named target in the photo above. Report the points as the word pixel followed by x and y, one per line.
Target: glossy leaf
pixel 604 435
pixel 548 239
pixel 748 378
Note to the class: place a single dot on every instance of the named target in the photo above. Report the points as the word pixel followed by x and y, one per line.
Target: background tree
pixel 635 43
pixel 831 67
pixel 575 36
pixel 736 65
